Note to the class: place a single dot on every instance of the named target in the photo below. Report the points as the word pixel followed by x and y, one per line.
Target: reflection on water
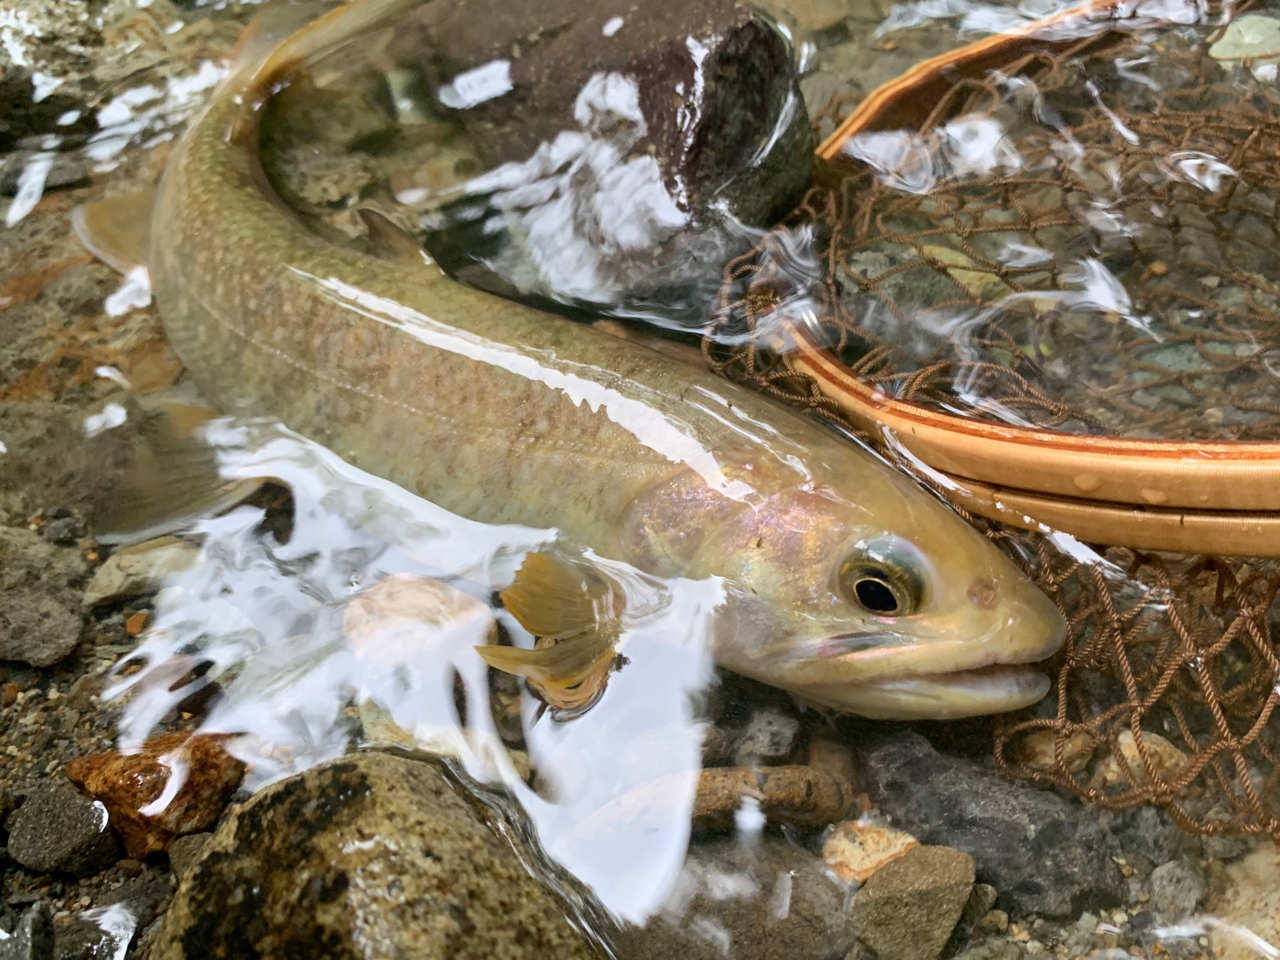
pixel 264 621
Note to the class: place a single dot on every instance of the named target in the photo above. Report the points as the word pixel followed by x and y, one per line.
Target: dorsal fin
pixel 117 230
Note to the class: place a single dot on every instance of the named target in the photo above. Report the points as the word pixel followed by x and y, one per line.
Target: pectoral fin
pixel 171 481
pixel 117 230
pixel 551 597
pixel 569 675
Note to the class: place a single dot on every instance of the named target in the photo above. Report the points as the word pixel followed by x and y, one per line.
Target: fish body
pixel 844 581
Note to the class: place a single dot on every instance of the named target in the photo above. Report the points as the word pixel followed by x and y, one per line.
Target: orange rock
pixel 177 784
pixel 856 849
pixel 136 623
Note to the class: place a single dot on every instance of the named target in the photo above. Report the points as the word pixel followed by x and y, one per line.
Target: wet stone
pixel 769 739
pixel 107 931
pixel 908 909
pixel 40 618
pixel 743 76
pixel 139 569
pixel 32 939
pixel 1043 854
pixel 59 830
pixel 1176 888
pixel 756 898
pixel 128 784
pixel 184 850
pixel 367 849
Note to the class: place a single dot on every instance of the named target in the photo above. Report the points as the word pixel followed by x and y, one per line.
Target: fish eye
pixel 880 585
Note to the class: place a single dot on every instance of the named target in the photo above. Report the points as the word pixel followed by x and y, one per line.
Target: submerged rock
pixel 135 788
pixel 632 144
pixel 756 898
pixel 1043 854
pixel 32 939
pixel 908 908
pixel 59 830
pixel 139 569
pixel 40 619
pixel 367 852
pixel 1177 887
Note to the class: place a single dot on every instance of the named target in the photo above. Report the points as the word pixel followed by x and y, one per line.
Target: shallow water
pixel 266 624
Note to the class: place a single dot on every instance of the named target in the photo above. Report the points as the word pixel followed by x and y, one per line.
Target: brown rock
pixel 184 851
pixel 909 907
pixel 366 855
pixel 127 784
pixel 855 850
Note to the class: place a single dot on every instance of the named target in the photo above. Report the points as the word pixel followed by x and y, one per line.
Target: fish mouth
pixel 935 696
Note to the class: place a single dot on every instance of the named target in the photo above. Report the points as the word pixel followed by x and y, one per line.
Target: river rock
pixel 32 939
pixel 40 618
pixel 756 898
pixel 632 144
pixel 1176 888
pixel 184 851
pixel 712 80
pixel 139 569
pixel 59 830
pixel 107 930
pixel 908 908
pixel 1043 854
pixel 129 783
pixel 366 852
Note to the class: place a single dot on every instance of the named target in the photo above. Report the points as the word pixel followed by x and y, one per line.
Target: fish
pixel 843 581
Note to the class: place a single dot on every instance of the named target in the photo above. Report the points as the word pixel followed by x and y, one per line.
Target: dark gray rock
pixel 60 830
pixel 1043 854
pixel 754 899
pixel 1176 889
pixel 369 848
pixel 40 619
pixel 33 937
pixel 1148 832
pixel 106 931
pixel 639 141
pixel 714 79
pixel 64 529
pixel 908 908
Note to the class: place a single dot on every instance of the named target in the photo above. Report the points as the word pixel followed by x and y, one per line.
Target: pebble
pixel 1176 888
pixel 128 783
pixel 59 830
pixel 369 852
pixel 908 909
pixel 40 620
pixel 32 939
pixel 139 569
pixel 769 738
pixel 1038 750
pixel 856 849
pixel 760 898
pixel 1128 767
pixel 1045 855
pixel 996 921
pixel 108 930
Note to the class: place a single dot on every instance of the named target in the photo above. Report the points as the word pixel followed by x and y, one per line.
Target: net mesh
pixel 1104 266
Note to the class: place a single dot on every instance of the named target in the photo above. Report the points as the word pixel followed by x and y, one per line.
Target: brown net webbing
pixel 1117 274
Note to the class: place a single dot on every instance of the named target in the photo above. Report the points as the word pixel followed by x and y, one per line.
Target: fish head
pixel 884 603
